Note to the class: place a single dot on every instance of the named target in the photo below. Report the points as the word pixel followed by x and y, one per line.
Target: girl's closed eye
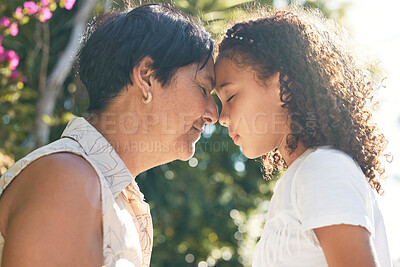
pixel 229 99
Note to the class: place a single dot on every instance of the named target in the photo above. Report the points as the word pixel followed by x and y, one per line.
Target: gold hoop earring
pixel 148 99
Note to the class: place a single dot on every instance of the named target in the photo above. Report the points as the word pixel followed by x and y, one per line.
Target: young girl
pixel 288 85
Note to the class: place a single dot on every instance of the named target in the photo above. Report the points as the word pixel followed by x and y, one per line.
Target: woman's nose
pixel 211 114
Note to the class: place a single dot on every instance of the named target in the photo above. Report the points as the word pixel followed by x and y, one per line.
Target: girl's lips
pixel 235 139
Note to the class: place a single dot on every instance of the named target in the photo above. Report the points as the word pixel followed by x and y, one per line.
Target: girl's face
pixel 251 109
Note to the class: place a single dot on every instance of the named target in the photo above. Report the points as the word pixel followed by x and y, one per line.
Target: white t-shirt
pixel 322 187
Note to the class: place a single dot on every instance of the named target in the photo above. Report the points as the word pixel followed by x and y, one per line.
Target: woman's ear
pixel 143 75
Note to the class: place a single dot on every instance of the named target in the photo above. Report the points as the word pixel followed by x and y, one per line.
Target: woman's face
pixel 184 107
pixel 251 109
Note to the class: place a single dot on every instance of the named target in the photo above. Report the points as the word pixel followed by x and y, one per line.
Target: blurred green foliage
pixel 209 209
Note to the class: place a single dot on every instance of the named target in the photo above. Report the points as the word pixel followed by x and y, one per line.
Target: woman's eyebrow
pixel 209 81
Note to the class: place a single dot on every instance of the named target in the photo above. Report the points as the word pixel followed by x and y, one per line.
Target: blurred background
pixel 210 210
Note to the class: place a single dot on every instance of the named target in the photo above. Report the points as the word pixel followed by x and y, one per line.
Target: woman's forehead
pixel 193 72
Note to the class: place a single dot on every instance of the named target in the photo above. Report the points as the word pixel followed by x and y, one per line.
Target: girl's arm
pixel 347 246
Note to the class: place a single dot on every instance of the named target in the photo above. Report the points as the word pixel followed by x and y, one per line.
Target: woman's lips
pixel 200 131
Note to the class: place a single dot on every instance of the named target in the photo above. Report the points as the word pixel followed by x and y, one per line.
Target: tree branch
pixel 45 57
pixel 54 83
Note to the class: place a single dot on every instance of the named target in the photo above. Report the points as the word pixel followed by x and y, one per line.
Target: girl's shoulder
pixel 327 158
pixel 330 188
pixel 326 168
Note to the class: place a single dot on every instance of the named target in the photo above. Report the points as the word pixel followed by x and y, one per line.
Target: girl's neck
pixel 291 157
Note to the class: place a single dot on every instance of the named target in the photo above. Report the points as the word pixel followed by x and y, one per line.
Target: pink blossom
pixel 14 75
pixel 4 21
pixel 18 13
pixel 2 56
pixel 44 2
pixel 31 7
pixel 69 4
pixel 13 58
pixel 14 63
pixel 1 49
pixel 45 14
pixel 14 29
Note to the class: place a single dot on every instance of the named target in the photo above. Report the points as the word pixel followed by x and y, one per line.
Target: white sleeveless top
pixel 127 225
pixel 322 187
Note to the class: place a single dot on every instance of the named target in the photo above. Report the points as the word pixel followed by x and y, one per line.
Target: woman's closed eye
pixel 204 90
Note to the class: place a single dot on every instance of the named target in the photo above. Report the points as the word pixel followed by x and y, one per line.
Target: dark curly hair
pixel 327 96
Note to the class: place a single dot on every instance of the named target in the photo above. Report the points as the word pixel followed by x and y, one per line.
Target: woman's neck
pixel 127 146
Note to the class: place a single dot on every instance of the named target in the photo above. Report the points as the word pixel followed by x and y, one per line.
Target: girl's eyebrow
pixel 219 88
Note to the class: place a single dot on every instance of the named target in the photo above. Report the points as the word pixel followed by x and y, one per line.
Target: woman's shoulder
pixel 61 173
pixel 55 197
pixel 56 182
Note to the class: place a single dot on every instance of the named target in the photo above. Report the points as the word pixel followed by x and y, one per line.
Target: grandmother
pixel 149 74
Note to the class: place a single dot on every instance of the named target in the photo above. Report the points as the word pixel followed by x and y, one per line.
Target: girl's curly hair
pixel 328 98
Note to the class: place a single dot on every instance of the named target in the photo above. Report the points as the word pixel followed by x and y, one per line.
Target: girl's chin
pixel 251 154
pixel 254 153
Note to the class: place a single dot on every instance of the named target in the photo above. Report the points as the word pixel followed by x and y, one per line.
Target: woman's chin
pixel 187 153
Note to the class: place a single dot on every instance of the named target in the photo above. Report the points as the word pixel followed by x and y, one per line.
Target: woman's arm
pixel 347 246
pixel 56 217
